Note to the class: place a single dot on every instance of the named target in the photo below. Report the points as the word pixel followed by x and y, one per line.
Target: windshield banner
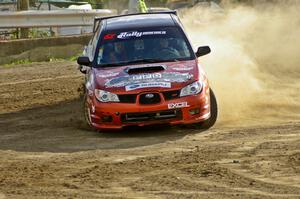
pixel 126 35
pixel 148 78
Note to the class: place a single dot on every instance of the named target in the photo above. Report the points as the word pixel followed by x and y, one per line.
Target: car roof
pixel 139 21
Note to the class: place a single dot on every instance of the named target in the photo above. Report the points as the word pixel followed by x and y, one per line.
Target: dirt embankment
pixel 252 152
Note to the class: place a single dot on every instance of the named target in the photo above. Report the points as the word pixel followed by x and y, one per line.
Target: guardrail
pixel 53 18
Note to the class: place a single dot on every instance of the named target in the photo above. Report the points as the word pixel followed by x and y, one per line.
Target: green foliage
pixel 74 58
pixel 35 33
pixel 50 59
pixel 18 62
pixel 96 4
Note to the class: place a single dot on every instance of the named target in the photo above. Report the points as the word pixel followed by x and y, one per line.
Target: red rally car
pixel 141 70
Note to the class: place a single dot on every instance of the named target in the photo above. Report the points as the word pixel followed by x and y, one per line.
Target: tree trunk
pixel 23 5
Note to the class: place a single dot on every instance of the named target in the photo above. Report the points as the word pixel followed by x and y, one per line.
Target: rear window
pixel 160 44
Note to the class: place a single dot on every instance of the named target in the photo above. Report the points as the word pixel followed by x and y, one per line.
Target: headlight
pixel 105 96
pixel 191 89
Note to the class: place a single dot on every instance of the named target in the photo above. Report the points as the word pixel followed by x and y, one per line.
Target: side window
pixel 100 55
pixel 95 41
pixel 90 49
pixel 87 50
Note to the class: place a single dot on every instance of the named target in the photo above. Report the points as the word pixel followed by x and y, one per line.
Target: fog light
pixel 194 111
pixel 107 118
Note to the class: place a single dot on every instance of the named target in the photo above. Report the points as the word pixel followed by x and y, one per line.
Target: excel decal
pixel 178 105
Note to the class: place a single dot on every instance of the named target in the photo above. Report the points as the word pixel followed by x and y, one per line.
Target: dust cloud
pixel 254 67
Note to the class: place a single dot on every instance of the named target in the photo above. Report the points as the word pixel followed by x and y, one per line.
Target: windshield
pixel 143 46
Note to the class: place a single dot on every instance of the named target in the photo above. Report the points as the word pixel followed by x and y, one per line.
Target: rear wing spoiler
pixel 97 20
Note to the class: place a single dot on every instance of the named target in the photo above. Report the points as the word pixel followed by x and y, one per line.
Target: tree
pixel 23 5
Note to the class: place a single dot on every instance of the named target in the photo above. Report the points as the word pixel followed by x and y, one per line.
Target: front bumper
pixel 183 110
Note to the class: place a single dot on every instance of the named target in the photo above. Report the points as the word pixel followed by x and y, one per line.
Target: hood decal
pixel 108 74
pixel 148 85
pixel 183 68
pixel 148 77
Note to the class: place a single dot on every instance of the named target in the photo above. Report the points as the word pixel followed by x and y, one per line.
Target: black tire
pixel 86 114
pixel 213 112
pixel 213 115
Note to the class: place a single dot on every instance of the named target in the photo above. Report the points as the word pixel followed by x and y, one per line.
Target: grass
pixel 18 62
pixel 51 59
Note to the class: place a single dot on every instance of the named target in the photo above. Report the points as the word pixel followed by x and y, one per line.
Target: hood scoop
pixel 144 69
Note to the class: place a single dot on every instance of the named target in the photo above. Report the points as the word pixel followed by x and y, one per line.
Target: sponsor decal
pixel 109 74
pixel 148 85
pixel 183 68
pixel 126 35
pixel 148 78
pixel 109 36
pixel 178 105
pixel 149 95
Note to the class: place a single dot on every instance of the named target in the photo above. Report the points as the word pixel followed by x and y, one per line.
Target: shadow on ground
pixel 59 128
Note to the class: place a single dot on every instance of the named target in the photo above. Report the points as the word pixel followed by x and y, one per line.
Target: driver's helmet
pixel 164 43
pixel 119 47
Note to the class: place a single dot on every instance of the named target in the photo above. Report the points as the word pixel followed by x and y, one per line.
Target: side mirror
pixel 83 61
pixel 203 50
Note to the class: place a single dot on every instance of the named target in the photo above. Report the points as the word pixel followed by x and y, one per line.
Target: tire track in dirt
pixel 29 86
pixel 193 166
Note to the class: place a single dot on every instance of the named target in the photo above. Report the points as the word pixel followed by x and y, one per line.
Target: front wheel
pixel 213 112
pixel 87 112
pixel 213 115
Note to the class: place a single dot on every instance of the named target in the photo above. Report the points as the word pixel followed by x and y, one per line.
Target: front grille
pixel 151 116
pixel 168 95
pixel 149 98
pixel 131 98
pixel 127 98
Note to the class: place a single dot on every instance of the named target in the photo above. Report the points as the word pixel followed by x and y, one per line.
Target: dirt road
pixel 46 152
pixel 252 152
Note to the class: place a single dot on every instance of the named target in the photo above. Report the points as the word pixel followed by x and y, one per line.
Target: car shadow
pixel 60 128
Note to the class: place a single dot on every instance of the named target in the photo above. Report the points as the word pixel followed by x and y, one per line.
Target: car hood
pixel 137 78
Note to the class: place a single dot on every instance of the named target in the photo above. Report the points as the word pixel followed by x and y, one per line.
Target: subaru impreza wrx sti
pixel 141 70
